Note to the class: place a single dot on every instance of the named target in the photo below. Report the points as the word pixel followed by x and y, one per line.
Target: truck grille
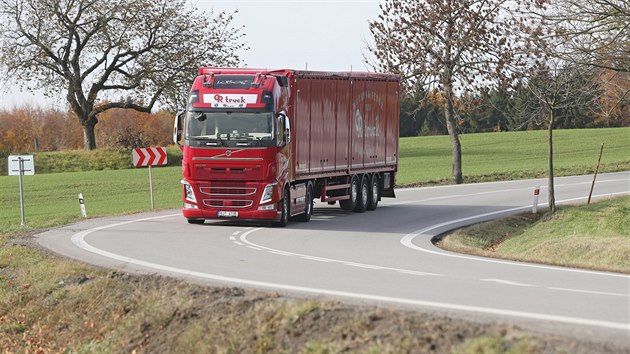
pixel 228 191
pixel 227 203
pixel 229 196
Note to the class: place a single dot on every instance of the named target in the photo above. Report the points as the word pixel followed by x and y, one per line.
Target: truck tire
pixel 364 193
pixel 196 221
pixel 306 217
pixel 375 192
pixel 286 210
pixel 350 204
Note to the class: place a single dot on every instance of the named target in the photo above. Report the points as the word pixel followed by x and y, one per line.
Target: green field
pixel 513 155
pixel 51 198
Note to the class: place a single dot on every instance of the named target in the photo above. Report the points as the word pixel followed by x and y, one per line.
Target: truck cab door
pixel 283 139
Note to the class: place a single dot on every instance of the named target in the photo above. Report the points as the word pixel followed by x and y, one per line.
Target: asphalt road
pixel 383 256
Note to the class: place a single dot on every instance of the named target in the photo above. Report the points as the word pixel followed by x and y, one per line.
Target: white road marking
pixel 591 292
pixel 280 253
pixel 244 240
pixel 407 240
pixel 507 282
pixel 79 240
pixel 254 248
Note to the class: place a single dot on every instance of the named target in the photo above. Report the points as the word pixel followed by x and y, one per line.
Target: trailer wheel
pixel 350 204
pixel 308 211
pixel 286 210
pixel 196 221
pixel 364 193
pixel 375 193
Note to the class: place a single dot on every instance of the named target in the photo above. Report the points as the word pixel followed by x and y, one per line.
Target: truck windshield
pixel 230 128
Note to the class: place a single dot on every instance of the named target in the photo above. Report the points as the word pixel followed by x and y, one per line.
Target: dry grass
pixel 596 236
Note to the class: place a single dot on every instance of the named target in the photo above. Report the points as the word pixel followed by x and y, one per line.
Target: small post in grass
pixel 82 205
pixel 601 151
pixel 151 187
pixel 21 165
pixel 535 203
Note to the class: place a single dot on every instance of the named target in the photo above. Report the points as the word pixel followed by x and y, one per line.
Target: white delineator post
pixel 535 203
pixel 82 205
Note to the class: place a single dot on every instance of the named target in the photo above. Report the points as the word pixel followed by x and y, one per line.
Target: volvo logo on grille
pixel 228 153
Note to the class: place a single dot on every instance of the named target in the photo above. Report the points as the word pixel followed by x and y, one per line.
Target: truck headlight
pixel 190 195
pixel 268 193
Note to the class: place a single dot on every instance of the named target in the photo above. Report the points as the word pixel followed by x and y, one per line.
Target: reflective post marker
pixel 535 204
pixel 82 205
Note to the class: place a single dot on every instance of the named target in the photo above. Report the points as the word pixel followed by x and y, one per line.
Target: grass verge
pixel 595 236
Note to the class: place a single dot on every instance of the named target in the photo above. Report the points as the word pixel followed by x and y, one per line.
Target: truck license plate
pixel 228 214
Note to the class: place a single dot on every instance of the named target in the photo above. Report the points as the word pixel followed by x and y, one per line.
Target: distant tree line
pixel 601 104
pixel 29 129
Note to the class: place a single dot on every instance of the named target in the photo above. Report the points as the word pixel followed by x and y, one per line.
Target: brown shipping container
pixel 344 123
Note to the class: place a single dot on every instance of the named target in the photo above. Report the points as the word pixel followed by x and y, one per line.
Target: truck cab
pixel 235 137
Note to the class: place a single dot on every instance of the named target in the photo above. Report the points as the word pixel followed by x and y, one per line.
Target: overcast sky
pixel 323 34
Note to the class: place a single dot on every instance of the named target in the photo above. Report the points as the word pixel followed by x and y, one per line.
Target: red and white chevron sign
pixel 155 156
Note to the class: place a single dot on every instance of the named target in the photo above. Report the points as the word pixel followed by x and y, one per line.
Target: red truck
pixel 264 144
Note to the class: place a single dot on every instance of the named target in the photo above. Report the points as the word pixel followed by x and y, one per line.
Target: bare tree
pixel 95 50
pixel 595 33
pixel 558 88
pixel 454 45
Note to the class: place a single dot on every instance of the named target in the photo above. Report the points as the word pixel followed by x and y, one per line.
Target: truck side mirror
pixel 281 120
pixel 287 126
pixel 177 128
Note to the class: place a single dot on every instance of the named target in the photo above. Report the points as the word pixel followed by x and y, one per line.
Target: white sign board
pixel 28 165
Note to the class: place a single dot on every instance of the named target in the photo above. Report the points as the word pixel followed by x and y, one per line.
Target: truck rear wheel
pixel 350 204
pixel 286 210
pixel 375 193
pixel 364 193
pixel 308 209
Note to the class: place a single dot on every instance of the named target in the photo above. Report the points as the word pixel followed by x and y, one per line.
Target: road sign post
pixel 20 165
pixel 150 157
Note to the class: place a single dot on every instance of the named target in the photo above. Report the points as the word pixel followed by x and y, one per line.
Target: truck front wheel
pixel 308 209
pixel 286 211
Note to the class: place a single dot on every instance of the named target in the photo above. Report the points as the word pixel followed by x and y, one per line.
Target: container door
pixel 330 124
pixel 302 130
pixel 392 123
pixel 344 123
pixel 318 95
pixel 358 123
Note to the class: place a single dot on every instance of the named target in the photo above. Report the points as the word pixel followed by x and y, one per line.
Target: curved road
pixel 383 256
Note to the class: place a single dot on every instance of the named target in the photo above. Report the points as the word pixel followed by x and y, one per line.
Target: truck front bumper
pixel 270 215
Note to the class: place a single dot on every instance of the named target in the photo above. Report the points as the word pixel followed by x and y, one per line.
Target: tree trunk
pixel 452 132
pixel 89 138
pixel 552 196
